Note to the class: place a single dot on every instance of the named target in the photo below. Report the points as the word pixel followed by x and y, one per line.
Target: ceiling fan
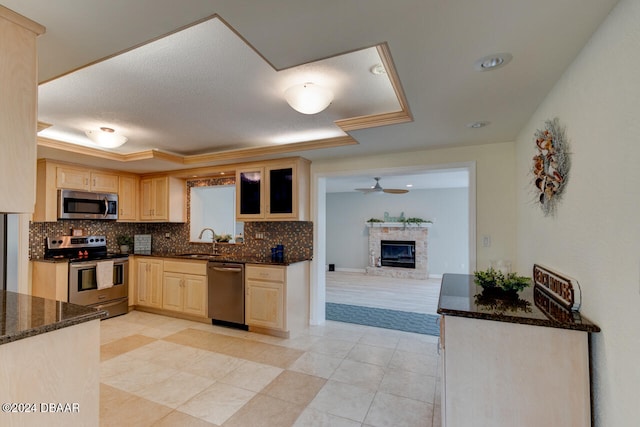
pixel 378 189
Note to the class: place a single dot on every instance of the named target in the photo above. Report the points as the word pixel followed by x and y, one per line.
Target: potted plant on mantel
pixel 125 242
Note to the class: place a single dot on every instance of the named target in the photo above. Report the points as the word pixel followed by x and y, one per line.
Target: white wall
pixel 448 239
pixel 595 235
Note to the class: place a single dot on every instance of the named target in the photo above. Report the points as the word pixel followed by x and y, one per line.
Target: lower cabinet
pixel 277 298
pixel 50 280
pixel 503 374
pixel 149 282
pixel 265 304
pixel 185 292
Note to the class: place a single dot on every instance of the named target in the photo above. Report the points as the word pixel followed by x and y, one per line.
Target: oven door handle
pixel 83 265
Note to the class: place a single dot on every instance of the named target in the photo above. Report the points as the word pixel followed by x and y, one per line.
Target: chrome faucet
pixel 213 239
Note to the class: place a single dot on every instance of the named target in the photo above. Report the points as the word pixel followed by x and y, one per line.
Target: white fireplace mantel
pixel 400 224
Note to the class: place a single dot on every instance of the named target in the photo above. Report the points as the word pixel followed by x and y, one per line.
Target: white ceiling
pixel 434 179
pixel 433 45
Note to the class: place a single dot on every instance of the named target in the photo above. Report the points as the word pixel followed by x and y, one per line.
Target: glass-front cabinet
pixel 250 193
pixel 273 191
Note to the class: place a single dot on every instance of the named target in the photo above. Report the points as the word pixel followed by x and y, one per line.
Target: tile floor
pixel 161 371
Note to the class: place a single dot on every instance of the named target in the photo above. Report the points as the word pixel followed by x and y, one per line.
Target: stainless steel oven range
pixel 89 264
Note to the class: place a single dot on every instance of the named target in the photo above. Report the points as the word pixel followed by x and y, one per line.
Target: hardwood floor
pixel 415 296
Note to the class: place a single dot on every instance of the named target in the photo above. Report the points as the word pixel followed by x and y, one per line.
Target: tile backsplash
pixel 296 236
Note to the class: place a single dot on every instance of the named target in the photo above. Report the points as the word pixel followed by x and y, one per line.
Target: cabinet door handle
pixel 94 182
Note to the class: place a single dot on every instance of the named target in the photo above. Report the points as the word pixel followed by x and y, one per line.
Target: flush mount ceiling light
pixel 378 70
pixel 106 137
pixel 477 125
pixel 492 62
pixel 308 98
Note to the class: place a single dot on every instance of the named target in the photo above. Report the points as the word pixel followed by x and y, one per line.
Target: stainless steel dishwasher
pixel 226 293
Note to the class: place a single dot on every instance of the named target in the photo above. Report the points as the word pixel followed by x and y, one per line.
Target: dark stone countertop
pixel 24 316
pixel 460 296
pixel 226 258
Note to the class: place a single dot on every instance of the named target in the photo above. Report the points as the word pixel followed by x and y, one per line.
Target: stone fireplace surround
pixel 399 231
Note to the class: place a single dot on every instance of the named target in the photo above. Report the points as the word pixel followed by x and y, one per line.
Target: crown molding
pixel 229 155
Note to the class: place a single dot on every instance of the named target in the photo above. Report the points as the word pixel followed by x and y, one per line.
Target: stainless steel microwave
pixel 74 204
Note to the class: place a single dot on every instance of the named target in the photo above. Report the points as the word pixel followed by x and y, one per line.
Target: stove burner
pixel 76 249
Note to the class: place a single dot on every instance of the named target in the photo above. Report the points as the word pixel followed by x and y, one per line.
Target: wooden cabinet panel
pixel 277 298
pixel 185 287
pixel 72 178
pixel 18 116
pixel 128 198
pixel 265 304
pixel 506 374
pixel 149 282
pixel 172 291
pixel 195 295
pixel 103 182
pixel 162 199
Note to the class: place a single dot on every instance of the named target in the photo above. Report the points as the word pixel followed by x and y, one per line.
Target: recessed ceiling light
pixel 492 62
pixel 477 125
pixel 378 69
pixel 409 185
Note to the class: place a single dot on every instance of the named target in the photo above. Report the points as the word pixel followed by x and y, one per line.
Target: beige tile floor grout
pixel 161 371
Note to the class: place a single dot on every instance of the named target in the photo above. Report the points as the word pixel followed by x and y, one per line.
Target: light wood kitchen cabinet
pixel 149 282
pixel 273 191
pixel 84 179
pixel 265 304
pixel 128 198
pixel 185 287
pixel 18 117
pixel 162 199
pixel 50 280
pixel 277 298
pixel 52 176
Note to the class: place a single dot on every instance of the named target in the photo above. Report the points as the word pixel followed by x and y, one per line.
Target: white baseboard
pixel 351 270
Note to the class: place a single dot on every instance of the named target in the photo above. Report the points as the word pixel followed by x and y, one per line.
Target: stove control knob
pixel 91 240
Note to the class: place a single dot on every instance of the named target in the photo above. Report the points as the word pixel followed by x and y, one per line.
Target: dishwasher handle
pixel 228 269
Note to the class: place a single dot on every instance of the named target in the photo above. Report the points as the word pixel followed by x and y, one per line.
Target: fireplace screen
pixel 398 253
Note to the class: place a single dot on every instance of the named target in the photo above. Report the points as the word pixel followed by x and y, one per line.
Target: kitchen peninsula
pixel 49 362
pixel 512 361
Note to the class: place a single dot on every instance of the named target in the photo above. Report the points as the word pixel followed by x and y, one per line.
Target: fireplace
pixel 398 253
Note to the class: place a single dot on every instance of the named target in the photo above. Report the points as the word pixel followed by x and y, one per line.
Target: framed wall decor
pixel 551 165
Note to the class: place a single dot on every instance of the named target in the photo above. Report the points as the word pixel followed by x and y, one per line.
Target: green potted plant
pixel 125 242
pixel 495 280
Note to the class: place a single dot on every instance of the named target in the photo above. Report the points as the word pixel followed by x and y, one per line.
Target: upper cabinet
pixel 273 191
pixel 162 199
pixel 128 197
pixel 83 179
pixel 18 94
pixel 52 176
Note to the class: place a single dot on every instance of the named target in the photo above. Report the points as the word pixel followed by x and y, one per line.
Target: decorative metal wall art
pixel 551 165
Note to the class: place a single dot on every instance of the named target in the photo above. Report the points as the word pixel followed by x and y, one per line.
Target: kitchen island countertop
pixel 460 296
pixel 24 316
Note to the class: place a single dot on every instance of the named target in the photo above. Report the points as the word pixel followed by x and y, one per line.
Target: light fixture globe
pixel 106 137
pixel 308 98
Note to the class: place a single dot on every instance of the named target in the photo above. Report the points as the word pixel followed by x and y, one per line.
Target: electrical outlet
pixel 167 235
pixel 259 236
pixel 486 241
